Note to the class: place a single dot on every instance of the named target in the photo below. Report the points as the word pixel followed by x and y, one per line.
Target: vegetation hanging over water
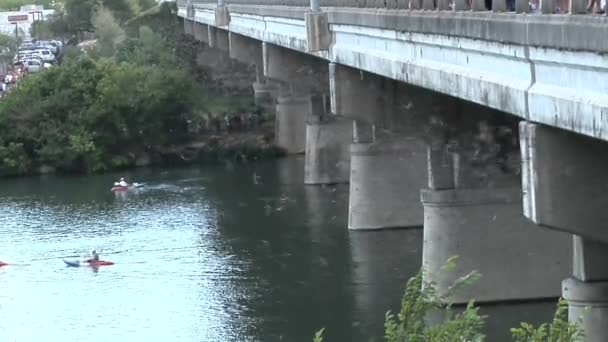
pixel 420 299
pixel 125 100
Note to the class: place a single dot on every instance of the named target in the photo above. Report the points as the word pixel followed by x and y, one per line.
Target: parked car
pixel 33 65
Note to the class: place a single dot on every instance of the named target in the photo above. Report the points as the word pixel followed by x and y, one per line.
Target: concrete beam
pixel 201 32
pixel 565 180
pixel 357 95
pixel 245 50
pixel 188 27
pixel 303 71
pixel 219 39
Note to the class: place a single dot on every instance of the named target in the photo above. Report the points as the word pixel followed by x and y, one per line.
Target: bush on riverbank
pixel 124 102
pixel 91 116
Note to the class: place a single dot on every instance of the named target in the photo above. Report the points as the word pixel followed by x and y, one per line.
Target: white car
pixel 45 54
pixel 33 65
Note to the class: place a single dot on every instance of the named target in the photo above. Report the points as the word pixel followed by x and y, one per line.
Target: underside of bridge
pixel 416 158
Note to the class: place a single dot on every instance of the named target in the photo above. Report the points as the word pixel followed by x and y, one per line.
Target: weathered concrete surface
pixel 188 27
pixel 588 301
pixel 201 32
pixel 222 16
pixel 587 290
pixel 486 229
pixel 290 125
pixel 534 67
pixel 318 36
pixel 357 95
pixel 328 143
pixel 385 182
pixel 565 180
pixel 218 39
pixel 303 71
pixel 245 49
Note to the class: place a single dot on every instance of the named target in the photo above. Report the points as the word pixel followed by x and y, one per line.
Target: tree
pixel 107 31
pixel 121 9
pixel 78 14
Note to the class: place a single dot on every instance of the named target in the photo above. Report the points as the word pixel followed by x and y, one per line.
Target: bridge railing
pixel 518 6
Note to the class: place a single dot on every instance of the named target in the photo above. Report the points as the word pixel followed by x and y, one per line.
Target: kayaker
pixel 123 182
pixel 94 256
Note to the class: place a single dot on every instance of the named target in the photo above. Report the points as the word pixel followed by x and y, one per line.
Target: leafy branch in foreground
pixel 421 298
pixel 559 330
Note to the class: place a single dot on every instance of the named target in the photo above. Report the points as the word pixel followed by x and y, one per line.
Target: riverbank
pixel 140 99
pixel 230 146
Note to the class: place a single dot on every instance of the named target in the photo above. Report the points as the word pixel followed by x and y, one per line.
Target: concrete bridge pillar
pixel 385 179
pixel 565 180
pixel 304 80
pixel 328 138
pixel 387 168
pixel 292 111
pixel 250 52
pixel 265 92
pixel 472 210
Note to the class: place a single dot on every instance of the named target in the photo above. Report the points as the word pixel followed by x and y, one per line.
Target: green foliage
pixel 90 115
pixel 148 49
pixel 8 47
pixel 107 32
pixel 421 299
pixel 319 336
pixel 41 30
pixel 559 330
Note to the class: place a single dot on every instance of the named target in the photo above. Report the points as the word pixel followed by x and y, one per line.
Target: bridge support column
pixel 292 112
pixel 473 211
pixel 385 180
pixel 265 92
pixel 565 179
pixel 328 139
pixel 587 290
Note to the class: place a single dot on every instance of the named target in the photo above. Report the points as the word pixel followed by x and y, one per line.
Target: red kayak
pixel 100 263
pixel 3 264
pixel 120 188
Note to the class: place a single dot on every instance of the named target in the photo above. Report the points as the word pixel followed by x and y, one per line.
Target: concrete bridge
pixel 443 115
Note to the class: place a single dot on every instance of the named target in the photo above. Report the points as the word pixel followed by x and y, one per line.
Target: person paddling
pixel 94 257
pixel 123 182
